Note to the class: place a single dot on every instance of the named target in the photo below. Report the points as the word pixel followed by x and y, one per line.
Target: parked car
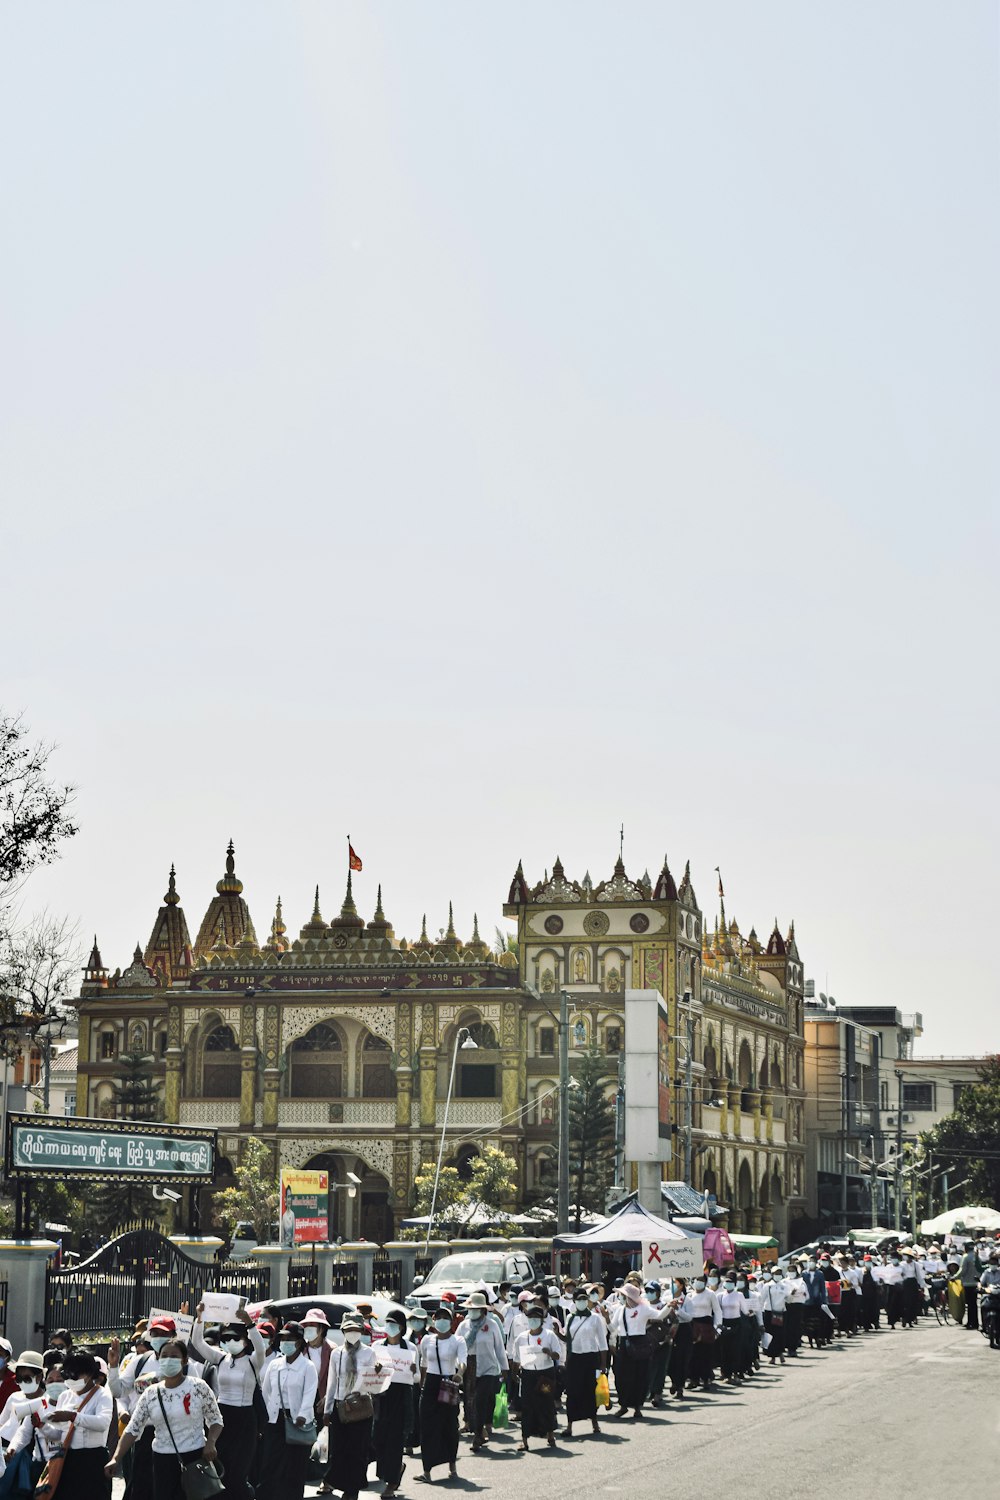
pixel 290 1309
pixel 462 1273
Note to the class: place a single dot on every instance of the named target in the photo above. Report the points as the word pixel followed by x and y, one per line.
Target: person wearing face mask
pixel 442 1366
pixel 891 1277
pixel 796 1298
pixel 733 1305
pixel 185 1419
pixel 288 1389
pixel 586 1358
pixel 485 1367
pixel 537 1352
pixel 392 1431
pixel 661 1334
pixel 633 1349
pixel 126 1383
pixel 416 1332
pixel 61 1343
pixel 29 1381
pixel 82 1415
pixel 815 1321
pixel 701 1309
pixel 771 1300
pixel 33 1439
pixel 236 1365
pixel 679 1358
pixel 319 1347
pixel 353 1369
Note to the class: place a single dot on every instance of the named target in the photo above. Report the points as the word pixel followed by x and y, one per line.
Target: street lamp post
pixel 580 1034
pixel 464 1043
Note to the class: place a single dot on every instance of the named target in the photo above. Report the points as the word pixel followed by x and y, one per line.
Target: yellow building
pixel 746 1106
pixel 334 1047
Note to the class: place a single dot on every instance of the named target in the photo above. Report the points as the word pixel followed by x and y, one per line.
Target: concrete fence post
pixel 22 1265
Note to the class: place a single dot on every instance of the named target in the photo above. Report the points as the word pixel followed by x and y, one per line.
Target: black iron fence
pixel 345 1277
pixel 3 1307
pixel 110 1291
pixel 303 1278
pixel 387 1275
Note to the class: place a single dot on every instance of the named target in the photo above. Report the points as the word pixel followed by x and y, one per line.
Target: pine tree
pixel 113 1203
pixel 591 1136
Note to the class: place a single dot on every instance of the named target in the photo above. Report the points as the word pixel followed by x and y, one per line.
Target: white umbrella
pixel 976 1217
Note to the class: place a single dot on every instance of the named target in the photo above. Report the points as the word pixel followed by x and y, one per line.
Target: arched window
pixel 464 1158
pixel 478 1072
pixel 376 1073
pixel 221 1066
pixel 316 1064
pixel 745 1065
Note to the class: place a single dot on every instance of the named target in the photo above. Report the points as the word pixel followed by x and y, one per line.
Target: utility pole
pixel 898 1224
pixel 930 1185
pixel 562 1211
pixel 913 1192
pixel 874 1183
pixel 843 1150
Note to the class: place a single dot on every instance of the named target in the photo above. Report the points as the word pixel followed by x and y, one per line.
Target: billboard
pixel 64 1146
pixel 647 1077
pixel 305 1207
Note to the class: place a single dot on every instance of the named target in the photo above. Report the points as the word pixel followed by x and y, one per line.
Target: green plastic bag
pixel 500 1418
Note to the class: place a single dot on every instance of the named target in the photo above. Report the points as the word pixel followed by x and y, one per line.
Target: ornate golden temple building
pixel 746 1108
pixel 335 1046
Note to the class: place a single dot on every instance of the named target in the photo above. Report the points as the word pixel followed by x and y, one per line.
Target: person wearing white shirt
pixel 184 1416
pixel 701 1309
pixel 633 1349
pixel 82 1414
pixel 771 1298
pixel 586 1357
pixel 354 1368
pixel 796 1297
pixel 126 1382
pixel 912 1293
pixel 236 1364
pixel 537 1352
pixel 733 1305
pixel 34 1440
pixel 289 1392
pixel 394 1411
pixel 442 1366
pixel 485 1367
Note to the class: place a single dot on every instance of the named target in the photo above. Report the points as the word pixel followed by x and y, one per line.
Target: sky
pixel 477 428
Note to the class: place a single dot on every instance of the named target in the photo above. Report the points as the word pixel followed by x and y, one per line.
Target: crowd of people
pixel 279 1405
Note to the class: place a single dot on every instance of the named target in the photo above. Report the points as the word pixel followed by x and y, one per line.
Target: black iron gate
pixel 108 1293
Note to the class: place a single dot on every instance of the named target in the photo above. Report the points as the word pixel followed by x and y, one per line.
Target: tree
pixel 505 942
pixel 591 1136
pixel 39 966
pixel 450 1190
pixel 492 1181
pixel 34 811
pixel 136 1095
pixel 965 1142
pixel 136 1091
pixel 255 1198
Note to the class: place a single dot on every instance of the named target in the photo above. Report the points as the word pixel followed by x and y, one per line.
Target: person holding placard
pixel 236 1365
pixel 395 1404
pixel 289 1391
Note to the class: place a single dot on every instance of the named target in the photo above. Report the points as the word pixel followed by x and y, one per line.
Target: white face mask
pixel 55 1389
pixel 352 1337
pixel 28 1385
pixel 76 1386
pixel 314 1335
pixel 233 1346
pixel 699 1284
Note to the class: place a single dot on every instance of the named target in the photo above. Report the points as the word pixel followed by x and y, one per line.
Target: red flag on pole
pixel 353 860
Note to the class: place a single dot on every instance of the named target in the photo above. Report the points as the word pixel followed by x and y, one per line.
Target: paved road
pixel 906 1410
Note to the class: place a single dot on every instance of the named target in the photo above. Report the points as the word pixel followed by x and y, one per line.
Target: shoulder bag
pixel 357 1406
pixel 449 1390
pixel 48 1480
pixel 200 1479
pixel 298 1436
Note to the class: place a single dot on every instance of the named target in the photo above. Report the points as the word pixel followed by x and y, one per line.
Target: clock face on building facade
pixel 596 923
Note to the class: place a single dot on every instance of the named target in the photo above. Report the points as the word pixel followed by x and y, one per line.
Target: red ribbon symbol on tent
pixel 654 1253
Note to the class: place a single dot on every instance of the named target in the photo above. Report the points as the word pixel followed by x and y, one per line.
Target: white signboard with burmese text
pixel 665 1258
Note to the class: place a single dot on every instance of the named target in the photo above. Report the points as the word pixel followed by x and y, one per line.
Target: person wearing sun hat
pixel 485 1368
pixel 442 1363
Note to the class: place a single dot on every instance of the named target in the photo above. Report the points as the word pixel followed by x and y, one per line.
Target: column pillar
pixel 428 1088
pixel 172 1086
pixel 767 1100
pixel 363 1251
pixel 755 1107
pixel 734 1107
pixel 277 1258
pixel 23 1263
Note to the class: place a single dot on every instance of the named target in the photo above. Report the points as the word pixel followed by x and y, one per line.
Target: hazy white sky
pixel 474 426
